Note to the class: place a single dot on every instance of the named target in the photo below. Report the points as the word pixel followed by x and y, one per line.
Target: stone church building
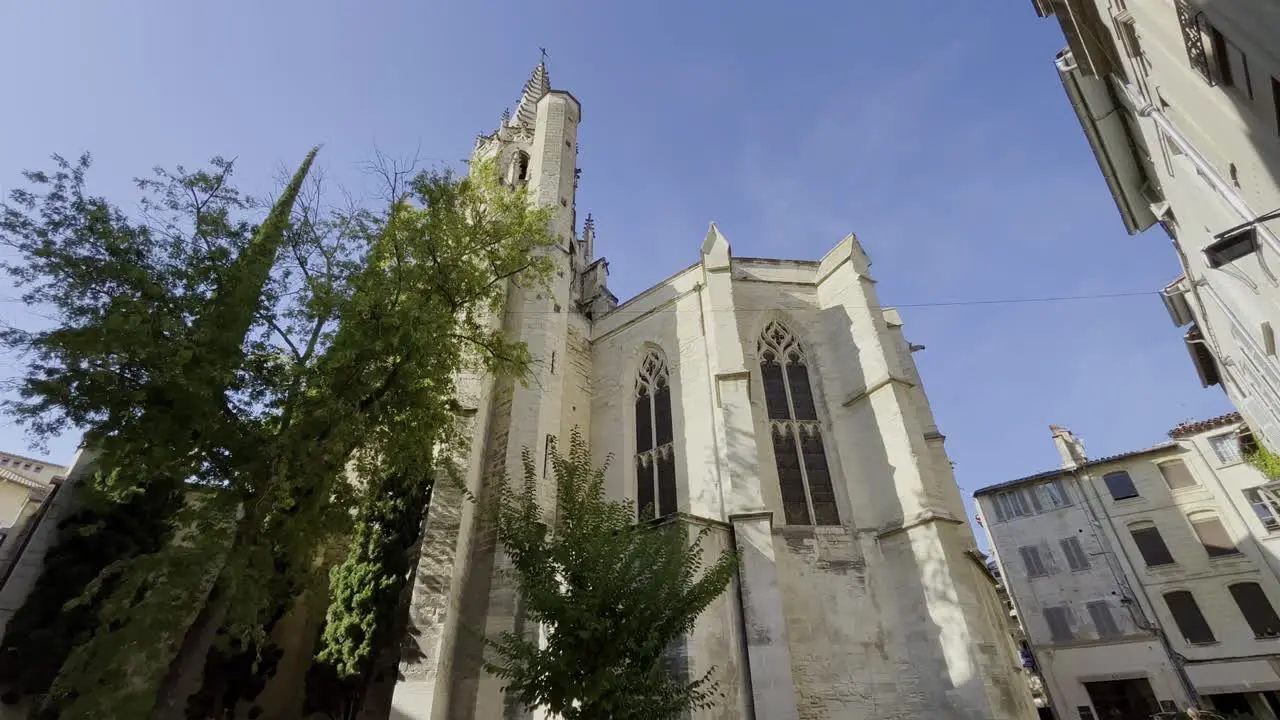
pixel 772 400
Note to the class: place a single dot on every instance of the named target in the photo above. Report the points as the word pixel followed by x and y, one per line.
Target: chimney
pixel 1069 447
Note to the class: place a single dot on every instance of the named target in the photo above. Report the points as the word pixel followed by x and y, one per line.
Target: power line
pixel 1014 301
pixel 942 303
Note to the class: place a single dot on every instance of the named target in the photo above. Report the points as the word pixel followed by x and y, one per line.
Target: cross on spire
pixel 543 51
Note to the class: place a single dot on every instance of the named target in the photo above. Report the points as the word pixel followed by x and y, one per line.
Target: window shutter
pixel 998 508
pixel 1213 536
pixel 1059 619
pixel 1033 494
pixel 1176 475
pixel 1106 626
pixel 1032 562
pixel 1076 559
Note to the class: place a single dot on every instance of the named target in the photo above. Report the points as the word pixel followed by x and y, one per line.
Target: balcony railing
pixel 1192 23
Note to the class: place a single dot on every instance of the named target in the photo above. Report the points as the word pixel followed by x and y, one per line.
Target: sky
pixel 937 131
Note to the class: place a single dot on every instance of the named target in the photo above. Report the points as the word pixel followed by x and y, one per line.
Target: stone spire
pixel 588 237
pixel 539 84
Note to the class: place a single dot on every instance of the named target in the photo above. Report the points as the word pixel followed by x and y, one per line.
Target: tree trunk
pixel 186 673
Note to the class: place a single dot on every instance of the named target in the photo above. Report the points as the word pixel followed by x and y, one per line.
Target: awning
pixel 1206 364
pixel 1177 300
pixel 1112 141
pixel 1232 676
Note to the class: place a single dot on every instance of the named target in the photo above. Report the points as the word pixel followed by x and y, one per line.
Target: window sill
pixel 1206 644
pixel 1267 637
pixel 1228 558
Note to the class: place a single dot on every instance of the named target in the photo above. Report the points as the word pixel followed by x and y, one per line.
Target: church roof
pixel 538 84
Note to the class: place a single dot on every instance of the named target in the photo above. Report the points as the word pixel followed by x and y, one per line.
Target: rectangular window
pixel 1106 626
pixel 1055 494
pixel 1256 608
pixel 1239 244
pixel 1059 619
pixel 1120 485
pixel 1076 559
pixel 1085 712
pixel 1187 616
pixel 1176 475
pixel 1032 561
pixel 1012 504
pixel 1213 536
pixel 1227 448
pixel 1236 70
pixel 1262 508
pixel 1152 546
pixel 1275 100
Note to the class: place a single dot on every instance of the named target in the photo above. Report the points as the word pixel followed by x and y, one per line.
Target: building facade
pixel 773 401
pixel 1180 101
pixel 1013 625
pixel 1145 581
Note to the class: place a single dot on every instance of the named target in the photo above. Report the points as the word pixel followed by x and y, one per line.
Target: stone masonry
pixel 875 611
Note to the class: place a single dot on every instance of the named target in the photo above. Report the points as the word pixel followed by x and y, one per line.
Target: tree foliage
pixel 611 596
pixel 299 369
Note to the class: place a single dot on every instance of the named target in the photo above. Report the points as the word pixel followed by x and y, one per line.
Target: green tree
pixel 612 596
pixel 296 369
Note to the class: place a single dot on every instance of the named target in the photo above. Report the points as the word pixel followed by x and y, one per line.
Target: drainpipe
pixel 1082 479
pixel 1143 108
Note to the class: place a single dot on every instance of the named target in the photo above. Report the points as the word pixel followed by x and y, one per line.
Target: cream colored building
pixel 1144 580
pixel 773 401
pixel 1180 100
pixel 24 484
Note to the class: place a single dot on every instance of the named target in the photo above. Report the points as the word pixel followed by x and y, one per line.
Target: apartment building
pixel 1144 581
pixel 1180 102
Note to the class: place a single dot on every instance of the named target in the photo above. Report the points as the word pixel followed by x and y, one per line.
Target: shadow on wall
pixel 927 668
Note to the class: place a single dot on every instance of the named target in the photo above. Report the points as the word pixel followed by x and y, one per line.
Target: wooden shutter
pixel 1076 559
pixel 1213 536
pixel 1032 562
pixel 1106 626
pixel 1059 619
pixel 1176 475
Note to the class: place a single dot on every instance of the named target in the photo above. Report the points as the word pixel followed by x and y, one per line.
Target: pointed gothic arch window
pixel 803 476
pixel 655 439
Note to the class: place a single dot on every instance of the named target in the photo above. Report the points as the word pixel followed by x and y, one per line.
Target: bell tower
pixel 461 592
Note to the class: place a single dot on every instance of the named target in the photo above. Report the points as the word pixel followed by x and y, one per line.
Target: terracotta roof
pixel 1057 472
pixel 1199 426
pixel 20 479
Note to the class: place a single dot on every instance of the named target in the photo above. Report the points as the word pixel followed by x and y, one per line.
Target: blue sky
pixel 937 131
